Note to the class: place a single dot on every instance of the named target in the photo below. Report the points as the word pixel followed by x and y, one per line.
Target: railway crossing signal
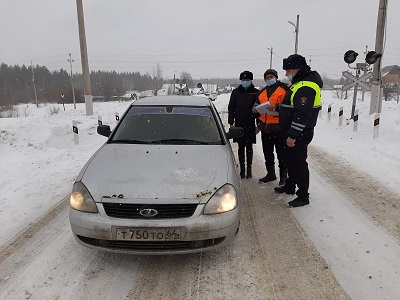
pixel 350 57
pixel 357 80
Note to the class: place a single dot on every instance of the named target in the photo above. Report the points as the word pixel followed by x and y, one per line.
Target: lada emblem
pixel 148 212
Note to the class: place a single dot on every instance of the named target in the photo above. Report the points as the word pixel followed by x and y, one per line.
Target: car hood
pixel 157 171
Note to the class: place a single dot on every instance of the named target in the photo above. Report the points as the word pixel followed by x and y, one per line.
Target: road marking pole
pixel 355 119
pixel 340 116
pixel 75 130
pixel 376 125
pixel 117 117
pixel 329 112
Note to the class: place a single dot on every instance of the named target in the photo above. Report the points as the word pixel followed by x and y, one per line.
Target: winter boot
pixel 299 201
pixel 270 175
pixel 287 189
pixel 283 173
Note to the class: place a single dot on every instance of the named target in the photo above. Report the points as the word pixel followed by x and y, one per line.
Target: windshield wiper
pixel 180 141
pixel 126 141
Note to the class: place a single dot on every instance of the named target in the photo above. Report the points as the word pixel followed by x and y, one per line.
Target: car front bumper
pixel 198 233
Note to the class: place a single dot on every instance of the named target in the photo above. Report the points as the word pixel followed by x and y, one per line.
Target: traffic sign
pixel 356 80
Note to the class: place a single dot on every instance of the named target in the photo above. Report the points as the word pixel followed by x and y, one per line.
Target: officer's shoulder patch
pixel 303 100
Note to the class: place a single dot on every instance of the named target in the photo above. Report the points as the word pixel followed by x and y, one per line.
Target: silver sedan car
pixel 165 181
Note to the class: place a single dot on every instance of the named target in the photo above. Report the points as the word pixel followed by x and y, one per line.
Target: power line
pixel 178 55
pixel 176 61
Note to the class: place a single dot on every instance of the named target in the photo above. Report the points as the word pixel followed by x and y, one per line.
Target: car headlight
pixel 81 199
pixel 222 201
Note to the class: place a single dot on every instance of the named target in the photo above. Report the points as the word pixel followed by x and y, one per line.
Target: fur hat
pixel 294 61
pixel 272 72
pixel 246 75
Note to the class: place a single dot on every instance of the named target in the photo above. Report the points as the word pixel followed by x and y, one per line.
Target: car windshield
pixel 168 125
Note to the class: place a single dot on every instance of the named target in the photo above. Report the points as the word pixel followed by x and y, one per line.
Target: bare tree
pixel 186 78
pixel 157 73
pixel 389 91
pixel 338 94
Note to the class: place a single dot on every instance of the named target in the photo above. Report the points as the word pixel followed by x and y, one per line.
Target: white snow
pixel 39 163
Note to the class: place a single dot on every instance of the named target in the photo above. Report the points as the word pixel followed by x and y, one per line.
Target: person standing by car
pixel 298 115
pixel 240 115
pixel 271 133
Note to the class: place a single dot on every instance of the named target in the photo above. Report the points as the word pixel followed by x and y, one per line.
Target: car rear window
pixel 169 125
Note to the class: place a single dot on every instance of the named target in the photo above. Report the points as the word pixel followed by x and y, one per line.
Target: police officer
pixel 298 115
pixel 240 115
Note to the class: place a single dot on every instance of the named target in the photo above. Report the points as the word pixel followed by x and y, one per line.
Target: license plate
pixel 149 234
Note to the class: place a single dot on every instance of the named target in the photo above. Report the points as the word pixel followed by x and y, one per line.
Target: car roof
pixel 173 100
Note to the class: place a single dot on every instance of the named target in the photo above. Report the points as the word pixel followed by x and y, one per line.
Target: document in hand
pixel 263 109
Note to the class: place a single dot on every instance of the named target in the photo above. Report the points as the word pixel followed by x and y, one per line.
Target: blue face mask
pixel 246 84
pixel 290 77
pixel 270 82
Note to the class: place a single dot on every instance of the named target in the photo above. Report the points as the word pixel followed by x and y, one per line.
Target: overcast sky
pixel 207 38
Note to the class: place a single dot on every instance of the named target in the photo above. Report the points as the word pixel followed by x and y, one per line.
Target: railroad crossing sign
pixel 356 80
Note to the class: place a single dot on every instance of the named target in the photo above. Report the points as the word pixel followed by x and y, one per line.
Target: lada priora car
pixel 165 181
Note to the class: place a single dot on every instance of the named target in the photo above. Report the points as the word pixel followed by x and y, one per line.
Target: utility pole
pixel 296 30
pixel 72 80
pixel 84 59
pixel 34 85
pixel 270 59
pixel 380 34
pixel 173 91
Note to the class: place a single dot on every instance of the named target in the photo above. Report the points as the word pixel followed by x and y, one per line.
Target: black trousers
pixel 271 140
pixel 297 163
pixel 248 148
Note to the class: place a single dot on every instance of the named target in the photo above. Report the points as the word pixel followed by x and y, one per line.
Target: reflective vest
pixel 310 84
pixel 276 98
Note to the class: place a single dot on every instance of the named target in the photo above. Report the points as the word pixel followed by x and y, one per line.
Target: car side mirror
pixel 235 132
pixel 104 130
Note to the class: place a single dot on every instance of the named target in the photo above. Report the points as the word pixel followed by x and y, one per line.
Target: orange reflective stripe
pixel 272 119
pixel 263 98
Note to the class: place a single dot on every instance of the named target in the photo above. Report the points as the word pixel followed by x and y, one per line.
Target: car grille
pixel 164 211
pixel 151 246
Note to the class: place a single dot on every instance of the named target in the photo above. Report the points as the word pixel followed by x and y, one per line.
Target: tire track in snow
pixel 54 266
pixel 376 199
pixel 167 277
pixel 364 258
pixel 23 236
pixel 294 266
